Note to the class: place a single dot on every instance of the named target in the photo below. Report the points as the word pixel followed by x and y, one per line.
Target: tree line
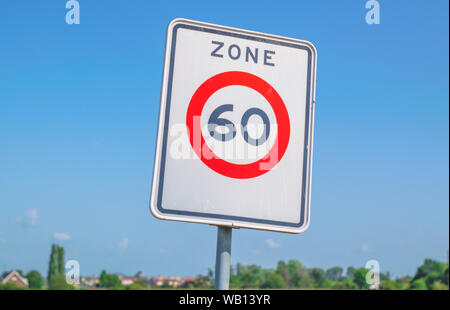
pixel 431 275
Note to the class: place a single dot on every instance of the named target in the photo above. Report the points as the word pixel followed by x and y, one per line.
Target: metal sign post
pixel 223 258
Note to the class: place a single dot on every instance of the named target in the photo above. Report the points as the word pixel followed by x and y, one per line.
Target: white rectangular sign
pixel 235 135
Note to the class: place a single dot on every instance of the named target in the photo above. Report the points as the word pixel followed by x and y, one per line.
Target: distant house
pixel 174 281
pixel 15 278
pixel 158 281
pixel 127 280
pixel 187 281
pixel 90 281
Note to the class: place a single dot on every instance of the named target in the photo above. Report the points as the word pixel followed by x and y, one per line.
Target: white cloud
pixel 3 240
pixel 61 236
pixel 365 247
pixel 32 216
pixel 123 244
pixel 272 244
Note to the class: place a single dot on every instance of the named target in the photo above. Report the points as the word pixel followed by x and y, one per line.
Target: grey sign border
pixel 166 124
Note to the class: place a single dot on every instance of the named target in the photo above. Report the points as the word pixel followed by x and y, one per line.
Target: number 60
pixel 215 121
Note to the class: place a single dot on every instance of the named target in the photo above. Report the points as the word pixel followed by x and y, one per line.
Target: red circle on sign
pixel 232 170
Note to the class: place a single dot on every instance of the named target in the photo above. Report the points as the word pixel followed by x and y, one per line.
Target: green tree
pixel 35 280
pixel 404 282
pixel 56 263
pixel 418 284
pixel 58 282
pixel 401 283
pixel 432 278
pixel 53 263
pixel 211 273
pixel 345 284
pixel 203 281
pixel 139 285
pixel 385 276
pixel 350 272
pixel 299 275
pixel 318 276
pixel 429 266
pixel 273 281
pixel 444 277
pixel 249 276
pixel 430 272
pixel 439 286
pixel 10 286
pixel 61 266
pixel 235 282
pixel 283 271
pixel 388 285
pixel 110 280
pixel 359 277
pixel 334 273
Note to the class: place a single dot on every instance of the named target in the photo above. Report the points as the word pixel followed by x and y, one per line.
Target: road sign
pixel 235 134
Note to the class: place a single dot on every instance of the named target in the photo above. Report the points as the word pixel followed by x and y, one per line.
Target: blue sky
pixel 78 112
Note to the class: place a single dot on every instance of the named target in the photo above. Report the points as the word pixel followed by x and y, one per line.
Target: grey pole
pixel 223 257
